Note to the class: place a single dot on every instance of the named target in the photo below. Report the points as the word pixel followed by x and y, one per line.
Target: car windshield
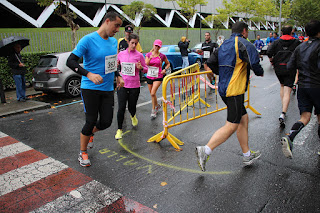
pixel 48 62
pixel 164 49
pixel 198 46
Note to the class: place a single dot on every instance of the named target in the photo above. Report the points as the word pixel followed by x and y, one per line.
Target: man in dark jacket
pixel 18 70
pixel 236 56
pixel 306 58
pixel 279 53
pixel 183 45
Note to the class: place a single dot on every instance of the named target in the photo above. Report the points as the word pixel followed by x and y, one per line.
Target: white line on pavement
pixel 13 149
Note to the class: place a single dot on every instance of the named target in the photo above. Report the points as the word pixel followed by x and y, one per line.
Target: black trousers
pixel 130 95
pixel 2 95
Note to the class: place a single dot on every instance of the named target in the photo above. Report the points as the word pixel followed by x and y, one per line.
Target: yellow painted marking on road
pixel 168 165
pixel 148 166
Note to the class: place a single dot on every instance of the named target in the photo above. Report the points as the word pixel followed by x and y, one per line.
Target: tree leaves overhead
pixel 139 7
pixel 304 11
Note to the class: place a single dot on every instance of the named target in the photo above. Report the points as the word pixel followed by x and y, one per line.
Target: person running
pixel 183 45
pixel 259 44
pixel 274 37
pixel 99 52
pixel 306 59
pixel 155 73
pixel 123 42
pixel 18 69
pixel 207 47
pixel 279 53
pixel 234 57
pixel 268 42
pixel 130 63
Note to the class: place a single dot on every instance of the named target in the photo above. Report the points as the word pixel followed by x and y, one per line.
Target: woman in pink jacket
pixel 155 73
pixel 130 63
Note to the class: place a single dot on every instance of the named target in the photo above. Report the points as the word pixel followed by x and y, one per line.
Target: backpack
pixel 283 55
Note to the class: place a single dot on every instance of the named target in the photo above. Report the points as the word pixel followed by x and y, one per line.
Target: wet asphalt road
pixel 165 180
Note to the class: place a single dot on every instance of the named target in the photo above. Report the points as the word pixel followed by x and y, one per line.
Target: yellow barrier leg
pixel 173 143
pixel 157 138
pixel 176 140
pixel 253 110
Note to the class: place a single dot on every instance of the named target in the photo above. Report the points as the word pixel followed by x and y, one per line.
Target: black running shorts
pixel 286 79
pixel 307 99
pixel 235 108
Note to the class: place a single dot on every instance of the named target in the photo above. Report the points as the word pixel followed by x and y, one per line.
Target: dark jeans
pixel 2 95
pixel 20 86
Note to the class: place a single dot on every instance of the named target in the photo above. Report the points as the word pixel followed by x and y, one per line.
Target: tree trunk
pixel 74 27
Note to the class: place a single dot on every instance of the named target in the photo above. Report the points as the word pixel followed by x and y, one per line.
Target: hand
pixel 139 66
pixel 163 71
pixel 120 82
pixel 95 78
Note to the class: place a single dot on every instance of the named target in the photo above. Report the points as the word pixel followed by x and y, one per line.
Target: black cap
pixel 128 29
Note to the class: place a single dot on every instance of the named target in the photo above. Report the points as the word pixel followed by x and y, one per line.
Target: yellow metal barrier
pixel 187 89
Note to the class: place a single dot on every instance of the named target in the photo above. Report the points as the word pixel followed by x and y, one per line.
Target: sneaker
pixel 119 134
pixel 90 144
pixel 84 159
pixel 253 156
pixel 282 120
pixel 286 146
pixel 158 107
pixel 202 157
pixel 153 114
pixel 134 120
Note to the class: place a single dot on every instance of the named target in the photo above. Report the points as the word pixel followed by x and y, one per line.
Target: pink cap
pixel 158 42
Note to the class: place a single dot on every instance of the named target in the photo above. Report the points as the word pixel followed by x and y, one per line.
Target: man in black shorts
pixel 233 59
pixel 208 46
pixel 306 58
pixel 99 52
pixel 279 53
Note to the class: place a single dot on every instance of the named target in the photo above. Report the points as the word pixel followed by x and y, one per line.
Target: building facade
pixel 27 13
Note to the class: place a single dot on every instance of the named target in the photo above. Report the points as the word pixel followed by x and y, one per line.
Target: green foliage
pixel 146 10
pixel 250 9
pixel 30 60
pixel 304 11
pixel 188 8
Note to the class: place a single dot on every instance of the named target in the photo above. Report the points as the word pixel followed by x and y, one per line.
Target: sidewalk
pixel 15 107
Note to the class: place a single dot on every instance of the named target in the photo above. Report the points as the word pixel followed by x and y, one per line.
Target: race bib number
pixel 206 54
pixel 153 71
pixel 128 68
pixel 110 64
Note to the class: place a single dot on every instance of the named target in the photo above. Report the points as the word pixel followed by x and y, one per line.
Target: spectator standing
pixel 220 40
pixel 306 59
pixel 279 53
pixel 234 58
pixel 18 70
pixel 123 42
pixel 183 45
pixel 2 95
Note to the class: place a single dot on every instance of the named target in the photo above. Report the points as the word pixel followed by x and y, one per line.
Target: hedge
pixel 30 60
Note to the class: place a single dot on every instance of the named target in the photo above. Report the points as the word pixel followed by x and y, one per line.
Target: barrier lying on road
pixel 190 96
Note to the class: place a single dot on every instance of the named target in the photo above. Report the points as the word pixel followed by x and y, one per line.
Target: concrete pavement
pixel 15 107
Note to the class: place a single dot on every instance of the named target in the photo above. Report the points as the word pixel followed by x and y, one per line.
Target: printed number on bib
pixel 206 54
pixel 128 68
pixel 153 71
pixel 111 64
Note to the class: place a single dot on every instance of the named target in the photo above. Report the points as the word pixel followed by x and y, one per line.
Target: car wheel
pixel 72 87
pixel 199 62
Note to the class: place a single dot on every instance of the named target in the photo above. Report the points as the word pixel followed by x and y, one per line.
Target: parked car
pixel 174 56
pixel 52 75
pixel 196 48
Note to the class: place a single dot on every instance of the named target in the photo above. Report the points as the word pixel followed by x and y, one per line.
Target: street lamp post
pixel 200 22
pixel 279 30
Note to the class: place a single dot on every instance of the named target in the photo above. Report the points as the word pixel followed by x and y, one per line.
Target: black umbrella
pixel 6 44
